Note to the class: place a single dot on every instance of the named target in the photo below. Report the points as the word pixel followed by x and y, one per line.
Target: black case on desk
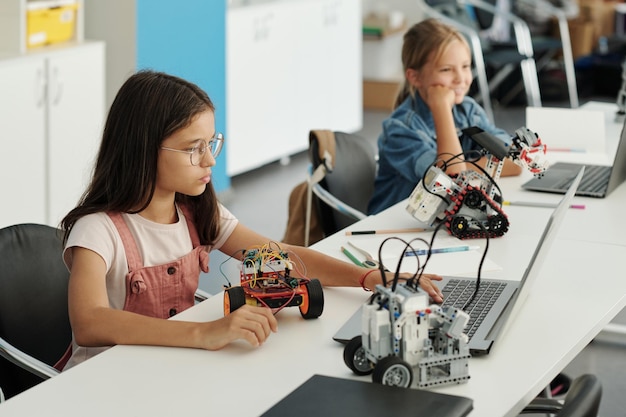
pixel 328 396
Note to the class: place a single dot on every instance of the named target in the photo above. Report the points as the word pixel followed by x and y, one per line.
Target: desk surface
pixel 580 290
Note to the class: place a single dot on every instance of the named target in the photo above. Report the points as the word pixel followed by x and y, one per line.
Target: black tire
pixel 234 297
pixel 313 305
pixel 473 199
pixel 498 224
pixel 458 226
pixel 355 359
pixel 393 371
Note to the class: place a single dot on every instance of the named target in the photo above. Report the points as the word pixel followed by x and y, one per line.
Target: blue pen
pixel 440 250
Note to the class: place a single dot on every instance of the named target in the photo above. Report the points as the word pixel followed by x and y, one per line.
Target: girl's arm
pixel 509 168
pixel 327 269
pixel 440 101
pixel 94 323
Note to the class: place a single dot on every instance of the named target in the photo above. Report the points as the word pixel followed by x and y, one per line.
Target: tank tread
pixel 464 227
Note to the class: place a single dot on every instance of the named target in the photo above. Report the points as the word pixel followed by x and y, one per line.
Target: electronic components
pixel 265 281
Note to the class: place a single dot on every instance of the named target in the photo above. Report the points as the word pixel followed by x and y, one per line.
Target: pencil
pixel 383 231
pixel 351 256
pixel 440 250
pixel 533 204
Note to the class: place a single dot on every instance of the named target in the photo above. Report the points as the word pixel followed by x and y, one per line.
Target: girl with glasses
pixel 143 229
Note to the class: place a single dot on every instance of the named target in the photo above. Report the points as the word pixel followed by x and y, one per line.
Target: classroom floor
pixel 259 199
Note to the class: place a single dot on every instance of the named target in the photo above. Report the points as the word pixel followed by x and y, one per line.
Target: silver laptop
pixel 599 180
pixel 501 299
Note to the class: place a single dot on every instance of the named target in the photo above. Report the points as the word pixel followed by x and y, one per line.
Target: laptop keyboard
pixel 458 291
pixel 595 179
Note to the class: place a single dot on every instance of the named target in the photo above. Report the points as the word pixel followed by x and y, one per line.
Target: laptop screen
pixel 541 251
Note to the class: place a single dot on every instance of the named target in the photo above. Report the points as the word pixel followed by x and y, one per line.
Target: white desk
pixel 564 312
pixel 602 217
pixel 580 290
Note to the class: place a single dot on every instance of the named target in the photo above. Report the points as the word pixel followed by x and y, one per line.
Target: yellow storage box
pixel 50 22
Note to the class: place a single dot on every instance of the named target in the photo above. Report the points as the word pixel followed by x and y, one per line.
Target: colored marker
pixel 576 150
pixel 440 250
pixel 533 204
pixel 352 257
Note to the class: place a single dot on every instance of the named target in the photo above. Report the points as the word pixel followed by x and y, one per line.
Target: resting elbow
pixel 84 336
pixel 89 330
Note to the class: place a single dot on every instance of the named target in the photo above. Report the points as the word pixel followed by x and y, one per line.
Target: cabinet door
pixel 343 35
pixel 75 121
pixel 334 41
pixel 291 67
pixel 261 87
pixel 22 141
pixel 312 66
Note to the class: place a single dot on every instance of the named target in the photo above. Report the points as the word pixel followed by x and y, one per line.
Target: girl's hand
pixel 427 284
pixel 253 324
pixel 439 96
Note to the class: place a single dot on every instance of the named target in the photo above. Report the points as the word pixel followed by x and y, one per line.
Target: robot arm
pixel 529 152
pixel 468 201
pixel 526 149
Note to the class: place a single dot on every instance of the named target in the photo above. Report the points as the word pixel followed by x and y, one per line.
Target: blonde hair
pixel 425 40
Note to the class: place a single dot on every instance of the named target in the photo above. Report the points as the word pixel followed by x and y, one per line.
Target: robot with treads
pixel 470 203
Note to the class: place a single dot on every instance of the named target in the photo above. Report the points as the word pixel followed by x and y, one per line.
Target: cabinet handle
pixel 56 86
pixel 262 27
pixel 330 14
pixel 40 88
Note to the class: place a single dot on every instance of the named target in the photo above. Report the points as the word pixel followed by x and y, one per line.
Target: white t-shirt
pixel 157 244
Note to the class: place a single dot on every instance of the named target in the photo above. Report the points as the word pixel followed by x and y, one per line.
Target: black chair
pixel 493 63
pixel 346 186
pixel 35 331
pixel 582 400
pixel 339 185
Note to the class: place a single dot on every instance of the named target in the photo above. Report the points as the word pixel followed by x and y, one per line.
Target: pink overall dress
pixel 161 290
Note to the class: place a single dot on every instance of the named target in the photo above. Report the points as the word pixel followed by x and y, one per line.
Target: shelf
pixel 13 26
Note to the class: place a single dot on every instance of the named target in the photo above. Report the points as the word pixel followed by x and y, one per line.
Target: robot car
pixel 265 281
pixel 401 332
pixel 470 203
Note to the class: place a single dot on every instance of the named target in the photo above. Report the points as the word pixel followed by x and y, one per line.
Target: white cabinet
pixel 51 117
pixel 22 141
pixel 291 66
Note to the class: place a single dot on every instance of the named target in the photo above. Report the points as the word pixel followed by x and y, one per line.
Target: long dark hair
pixel 149 107
pixel 423 41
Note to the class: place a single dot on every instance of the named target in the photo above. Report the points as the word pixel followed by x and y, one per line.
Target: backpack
pixel 304 226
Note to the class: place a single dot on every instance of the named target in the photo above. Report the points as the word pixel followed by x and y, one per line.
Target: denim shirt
pixel 407 146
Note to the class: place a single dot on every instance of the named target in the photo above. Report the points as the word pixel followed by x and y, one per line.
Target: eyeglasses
pixel 196 154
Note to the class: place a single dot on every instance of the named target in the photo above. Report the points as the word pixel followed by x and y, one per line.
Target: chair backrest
pixel 351 179
pixel 33 300
pixel 583 397
pixel 582 400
